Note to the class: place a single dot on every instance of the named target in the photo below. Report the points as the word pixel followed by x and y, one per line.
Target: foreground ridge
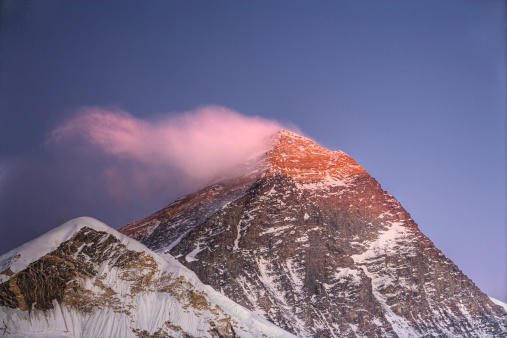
pixel 309 240
pixel 84 279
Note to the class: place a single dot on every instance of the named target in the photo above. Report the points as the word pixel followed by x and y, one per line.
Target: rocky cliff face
pixel 309 240
pixel 85 279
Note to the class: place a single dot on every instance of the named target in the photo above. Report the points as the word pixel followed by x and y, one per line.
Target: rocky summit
pixel 306 238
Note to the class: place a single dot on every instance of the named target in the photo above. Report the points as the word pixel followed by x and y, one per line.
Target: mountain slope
pixel 86 279
pixel 311 242
pixel 497 302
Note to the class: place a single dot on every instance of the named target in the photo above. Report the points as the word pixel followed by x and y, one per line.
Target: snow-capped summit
pixel 302 159
pixel 308 239
pixel 84 279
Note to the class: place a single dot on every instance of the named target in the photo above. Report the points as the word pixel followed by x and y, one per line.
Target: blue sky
pixel 414 91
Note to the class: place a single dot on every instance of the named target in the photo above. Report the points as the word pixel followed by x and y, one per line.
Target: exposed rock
pixel 99 283
pixel 311 242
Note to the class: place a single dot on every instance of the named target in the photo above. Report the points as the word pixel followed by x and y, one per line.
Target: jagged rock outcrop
pixel 84 279
pixel 309 240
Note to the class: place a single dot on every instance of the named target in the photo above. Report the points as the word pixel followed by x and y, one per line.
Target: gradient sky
pixel 414 91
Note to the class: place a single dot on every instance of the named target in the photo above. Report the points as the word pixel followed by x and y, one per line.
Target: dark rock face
pixel 165 228
pixel 317 247
pixel 54 276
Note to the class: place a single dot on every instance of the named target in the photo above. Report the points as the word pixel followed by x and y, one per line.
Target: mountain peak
pixel 310 241
pixel 303 159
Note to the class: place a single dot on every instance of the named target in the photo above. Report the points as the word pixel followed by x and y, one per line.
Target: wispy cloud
pixel 111 165
pixel 194 146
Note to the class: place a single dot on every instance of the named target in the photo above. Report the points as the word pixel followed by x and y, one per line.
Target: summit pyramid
pixel 306 238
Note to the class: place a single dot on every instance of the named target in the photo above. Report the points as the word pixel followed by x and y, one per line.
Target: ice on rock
pixel 119 298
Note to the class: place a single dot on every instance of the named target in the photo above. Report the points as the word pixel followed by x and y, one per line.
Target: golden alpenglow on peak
pixel 309 240
pixel 302 159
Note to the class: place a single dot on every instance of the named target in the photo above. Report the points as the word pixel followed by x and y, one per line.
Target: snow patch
pixel 497 302
pixel 347 273
pixel 384 244
pixel 276 230
pixel 190 257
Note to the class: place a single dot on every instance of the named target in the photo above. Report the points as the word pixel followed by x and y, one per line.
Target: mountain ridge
pixel 299 240
pixel 84 278
pixel 312 242
pixel 272 162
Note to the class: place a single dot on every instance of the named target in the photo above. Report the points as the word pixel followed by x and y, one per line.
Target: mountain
pixel 84 279
pixel 310 241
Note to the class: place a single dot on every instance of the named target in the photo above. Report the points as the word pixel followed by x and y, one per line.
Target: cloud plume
pixel 188 148
pixel 111 165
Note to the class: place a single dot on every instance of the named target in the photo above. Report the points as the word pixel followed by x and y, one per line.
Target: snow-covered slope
pixel 498 302
pixel 85 279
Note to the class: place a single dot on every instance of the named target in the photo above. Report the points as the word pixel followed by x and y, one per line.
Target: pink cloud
pixel 150 154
